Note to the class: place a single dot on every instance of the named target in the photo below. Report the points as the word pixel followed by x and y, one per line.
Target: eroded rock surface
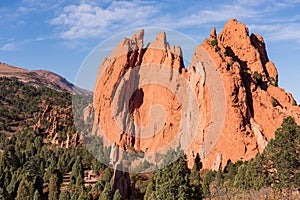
pixel 236 94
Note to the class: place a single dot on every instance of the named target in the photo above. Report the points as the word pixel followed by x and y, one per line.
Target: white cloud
pixel 25 10
pixel 261 14
pixel 87 20
pixel 224 12
pixel 279 32
pixel 92 19
pixel 8 47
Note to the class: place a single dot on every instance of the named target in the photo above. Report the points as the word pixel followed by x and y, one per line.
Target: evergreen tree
pixel 2 194
pixel 172 181
pixel 196 190
pixel 53 187
pixel 50 170
pixel 96 166
pixel 149 191
pixel 12 188
pixel 277 166
pixel 83 196
pixel 117 195
pixel 195 176
pixel 7 177
pixel 282 154
pixel 242 179
pixel 77 173
pixel 11 157
pixel 181 175
pixel 62 163
pixel 74 196
pixel 24 191
pixel 231 169
pixel 65 195
pixel 37 195
pixel 106 193
pixel 208 178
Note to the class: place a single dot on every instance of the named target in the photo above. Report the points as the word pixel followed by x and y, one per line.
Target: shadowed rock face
pixel 247 86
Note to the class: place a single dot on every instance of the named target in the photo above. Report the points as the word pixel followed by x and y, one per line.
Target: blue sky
pixel 57 35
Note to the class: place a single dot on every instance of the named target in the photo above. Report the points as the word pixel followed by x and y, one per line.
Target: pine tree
pixel 241 180
pixel 181 176
pixel 172 181
pixel 74 196
pixel 53 187
pixel 196 190
pixel 83 196
pixel 283 155
pixel 195 176
pixel 65 195
pixel 50 170
pixel 77 173
pixel 117 195
pixel 37 195
pixel 23 191
pixel 208 178
pixel 2 194
pixel 7 178
pixel 106 193
pixel 149 191
pixel 12 188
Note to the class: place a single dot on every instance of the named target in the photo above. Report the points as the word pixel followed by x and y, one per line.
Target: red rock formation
pixel 88 114
pixel 235 87
pixel 129 54
pixel 55 116
pixel 251 119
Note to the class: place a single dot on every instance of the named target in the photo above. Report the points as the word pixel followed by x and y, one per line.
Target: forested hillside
pixel 33 167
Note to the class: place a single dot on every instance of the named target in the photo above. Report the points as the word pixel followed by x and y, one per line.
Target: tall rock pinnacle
pixel 242 90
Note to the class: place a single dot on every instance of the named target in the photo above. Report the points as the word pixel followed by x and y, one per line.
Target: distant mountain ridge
pixel 42 77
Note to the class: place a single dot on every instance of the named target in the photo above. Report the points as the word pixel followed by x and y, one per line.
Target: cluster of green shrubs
pixel 273 81
pixel 274 102
pixel 258 76
pixel 259 79
pixel 277 167
pixel 214 43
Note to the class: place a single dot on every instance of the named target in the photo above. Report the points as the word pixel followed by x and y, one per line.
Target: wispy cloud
pixel 279 32
pixel 261 17
pixel 24 8
pixel 91 19
pixel 40 5
pixel 86 20
pixel 241 10
pixel 8 47
pixel 17 45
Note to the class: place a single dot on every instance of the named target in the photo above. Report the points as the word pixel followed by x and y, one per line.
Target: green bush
pixel 208 178
pixel 217 48
pixel 258 76
pixel 214 42
pixel 274 102
pixel 272 81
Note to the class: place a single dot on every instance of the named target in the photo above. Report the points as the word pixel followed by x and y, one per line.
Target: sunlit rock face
pixel 234 97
